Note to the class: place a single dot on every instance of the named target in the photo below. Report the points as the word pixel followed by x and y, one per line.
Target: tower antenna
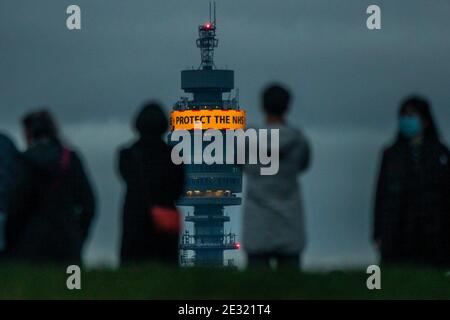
pixel 207 40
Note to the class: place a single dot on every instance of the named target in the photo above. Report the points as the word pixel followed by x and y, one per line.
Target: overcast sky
pixel 347 82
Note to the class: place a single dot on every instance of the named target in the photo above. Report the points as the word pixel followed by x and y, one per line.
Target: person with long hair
pixel 151 223
pixel 412 205
pixel 52 204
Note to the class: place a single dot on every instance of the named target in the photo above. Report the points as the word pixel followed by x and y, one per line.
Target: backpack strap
pixel 65 159
pixel 64 167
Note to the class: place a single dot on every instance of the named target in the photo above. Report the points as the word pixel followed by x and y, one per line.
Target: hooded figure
pixel 52 204
pixel 273 224
pixel 151 179
pixel 8 161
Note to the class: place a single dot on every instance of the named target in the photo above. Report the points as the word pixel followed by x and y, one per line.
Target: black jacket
pixel 412 209
pixel 51 207
pixel 8 158
pixel 151 179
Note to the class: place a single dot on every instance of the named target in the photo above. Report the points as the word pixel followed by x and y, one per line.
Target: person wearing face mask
pixel 412 202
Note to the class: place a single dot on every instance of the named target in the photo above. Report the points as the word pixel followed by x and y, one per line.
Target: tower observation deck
pixel 209 188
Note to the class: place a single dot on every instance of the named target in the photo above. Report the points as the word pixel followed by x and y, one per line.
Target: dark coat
pixel 151 179
pixel 51 208
pixel 8 159
pixel 412 209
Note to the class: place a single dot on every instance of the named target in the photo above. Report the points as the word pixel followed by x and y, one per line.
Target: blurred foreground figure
pixel 52 204
pixel 151 223
pixel 412 209
pixel 273 223
pixel 8 161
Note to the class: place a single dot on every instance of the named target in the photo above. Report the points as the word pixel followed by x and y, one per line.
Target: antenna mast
pixel 214 12
pixel 207 40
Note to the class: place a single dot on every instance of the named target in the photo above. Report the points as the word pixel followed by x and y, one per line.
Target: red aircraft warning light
pixel 237 245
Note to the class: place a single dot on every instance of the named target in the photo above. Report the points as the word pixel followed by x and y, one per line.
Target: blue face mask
pixel 410 126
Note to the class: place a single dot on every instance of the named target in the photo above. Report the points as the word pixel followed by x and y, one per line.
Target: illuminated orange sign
pixel 209 119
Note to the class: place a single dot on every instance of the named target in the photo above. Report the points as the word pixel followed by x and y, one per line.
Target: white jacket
pixel 273 218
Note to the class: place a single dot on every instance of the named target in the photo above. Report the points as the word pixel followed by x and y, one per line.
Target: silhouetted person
pixel 152 180
pixel 273 224
pixel 52 203
pixel 412 209
pixel 8 161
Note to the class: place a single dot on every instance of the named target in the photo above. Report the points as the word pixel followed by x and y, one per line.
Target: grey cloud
pixel 130 51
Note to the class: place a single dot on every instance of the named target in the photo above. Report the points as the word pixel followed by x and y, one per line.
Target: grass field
pixel 157 282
